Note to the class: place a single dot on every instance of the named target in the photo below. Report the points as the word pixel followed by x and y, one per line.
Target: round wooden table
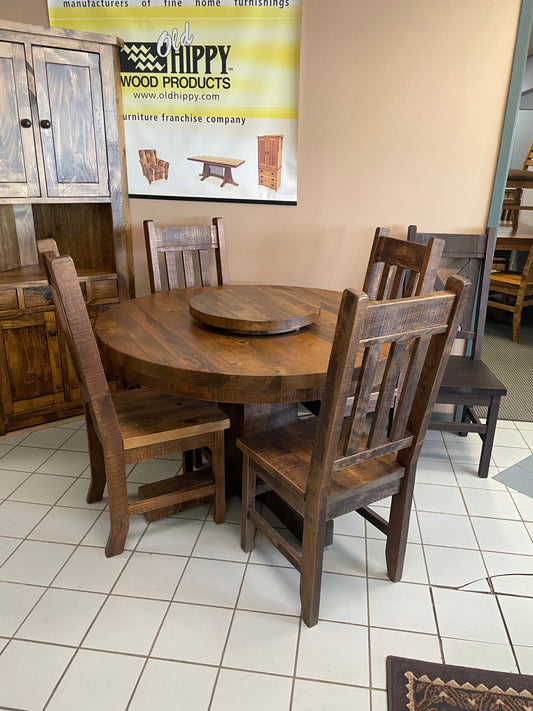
pixel 257 379
pixel 156 342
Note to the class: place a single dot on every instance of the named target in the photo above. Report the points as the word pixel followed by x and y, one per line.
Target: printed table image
pixel 218 168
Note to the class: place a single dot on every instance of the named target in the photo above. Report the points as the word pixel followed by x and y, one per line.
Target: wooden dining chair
pixel 517 181
pixel 516 292
pixel 327 466
pixel 134 425
pixel 398 268
pixel 468 383
pixel 194 255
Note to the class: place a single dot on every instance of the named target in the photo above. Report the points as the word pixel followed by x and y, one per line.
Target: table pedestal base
pixel 225 174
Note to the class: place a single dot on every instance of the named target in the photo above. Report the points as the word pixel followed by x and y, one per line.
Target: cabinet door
pixel 30 363
pixel 71 122
pixel 269 147
pixel 18 163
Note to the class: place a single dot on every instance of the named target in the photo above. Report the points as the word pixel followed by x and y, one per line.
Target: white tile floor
pixel 184 619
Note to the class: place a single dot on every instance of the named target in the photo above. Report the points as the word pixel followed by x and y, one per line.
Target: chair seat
pixel 506 279
pixel 467 376
pixel 149 417
pixel 285 452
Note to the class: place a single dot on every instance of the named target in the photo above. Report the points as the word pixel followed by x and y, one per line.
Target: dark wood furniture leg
pixel 228 178
pixel 468 417
pixel 206 172
pixel 487 437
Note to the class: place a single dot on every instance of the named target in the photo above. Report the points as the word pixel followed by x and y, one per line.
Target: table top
pixel 515 242
pixel 156 342
pixel 255 309
pixel 224 162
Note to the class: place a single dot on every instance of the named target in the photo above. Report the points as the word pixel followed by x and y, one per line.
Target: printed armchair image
pixel 153 168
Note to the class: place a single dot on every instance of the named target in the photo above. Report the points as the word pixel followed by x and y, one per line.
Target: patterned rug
pixel 413 685
pixel 512 363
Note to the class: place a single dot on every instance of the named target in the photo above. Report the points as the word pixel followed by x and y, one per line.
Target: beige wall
pixel 401 107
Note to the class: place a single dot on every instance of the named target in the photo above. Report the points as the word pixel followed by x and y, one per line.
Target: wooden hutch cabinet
pixel 269 150
pixel 62 175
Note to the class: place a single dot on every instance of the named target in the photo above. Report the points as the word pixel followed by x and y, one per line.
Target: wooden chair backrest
pixel 527 271
pixel 419 333
pixel 470 256
pixel 199 246
pixel 528 162
pixel 47 249
pixel 398 268
pixel 76 326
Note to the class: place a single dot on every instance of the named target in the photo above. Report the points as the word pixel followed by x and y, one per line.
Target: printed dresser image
pixel 269 150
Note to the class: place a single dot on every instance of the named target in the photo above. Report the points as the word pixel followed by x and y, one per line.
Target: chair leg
pixel 97 461
pixel 517 318
pixel 465 417
pixel 192 460
pixel 515 214
pixel 248 504
pixel 398 528
pixel 119 518
pixel 488 437
pixel 311 572
pixel 118 532
pixel 188 461
pixel 217 467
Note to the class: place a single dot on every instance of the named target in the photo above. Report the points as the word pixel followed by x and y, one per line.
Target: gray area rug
pixel 512 363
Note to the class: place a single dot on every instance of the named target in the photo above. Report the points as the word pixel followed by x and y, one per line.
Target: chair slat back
pixel 403 346
pixel 191 255
pixel 528 161
pixel 396 268
pixel 527 271
pixel 76 326
pixel 469 256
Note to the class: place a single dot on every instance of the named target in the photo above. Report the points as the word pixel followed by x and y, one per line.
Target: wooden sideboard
pixel 63 176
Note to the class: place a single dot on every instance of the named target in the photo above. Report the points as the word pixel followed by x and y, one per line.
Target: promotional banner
pixel 210 93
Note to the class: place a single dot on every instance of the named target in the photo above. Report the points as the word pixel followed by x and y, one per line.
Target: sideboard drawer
pixel 268 182
pixel 36 296
pixel 8 299
pixel 102 289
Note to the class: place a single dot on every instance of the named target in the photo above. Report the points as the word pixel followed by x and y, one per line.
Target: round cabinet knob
pixel 52 332
pixel 25 123
pixel 45 123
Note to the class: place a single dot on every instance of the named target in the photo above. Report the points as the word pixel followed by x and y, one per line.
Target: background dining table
pixel 515 243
